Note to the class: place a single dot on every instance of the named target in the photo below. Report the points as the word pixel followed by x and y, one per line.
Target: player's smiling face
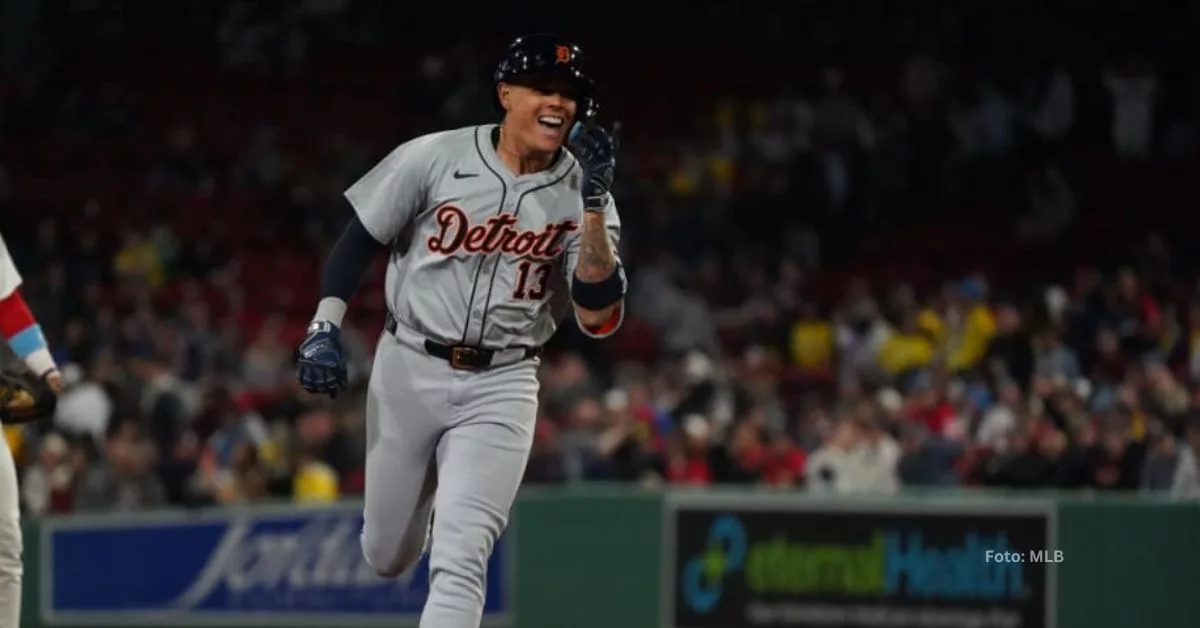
pixel 539 114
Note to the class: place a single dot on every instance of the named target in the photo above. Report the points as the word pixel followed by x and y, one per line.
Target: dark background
pixel 871 244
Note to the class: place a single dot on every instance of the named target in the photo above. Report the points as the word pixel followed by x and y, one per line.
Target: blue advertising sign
pixel 256 566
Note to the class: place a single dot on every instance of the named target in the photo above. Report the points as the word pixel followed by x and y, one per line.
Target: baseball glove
pixel 25 397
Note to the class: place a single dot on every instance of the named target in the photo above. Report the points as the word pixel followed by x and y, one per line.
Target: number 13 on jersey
pixel 532 278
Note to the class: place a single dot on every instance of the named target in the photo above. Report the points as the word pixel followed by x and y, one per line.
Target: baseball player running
pixel 24 336
pixel 504 231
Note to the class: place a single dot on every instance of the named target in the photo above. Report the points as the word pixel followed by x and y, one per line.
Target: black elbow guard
pixel 597 295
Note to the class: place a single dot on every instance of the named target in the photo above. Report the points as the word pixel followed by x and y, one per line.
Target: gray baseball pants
pixel 449 440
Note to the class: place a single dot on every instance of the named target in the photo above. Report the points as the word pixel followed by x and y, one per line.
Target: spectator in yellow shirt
pixel 971 328
pixel 811 341
pixel 314 483
pixel 139 257
pixel 907 349
pixel 930 322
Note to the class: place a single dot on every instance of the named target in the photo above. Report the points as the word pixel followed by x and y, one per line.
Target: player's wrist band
pixel 595 203
pixel 41 361
pixel 597 295
pixel 331 309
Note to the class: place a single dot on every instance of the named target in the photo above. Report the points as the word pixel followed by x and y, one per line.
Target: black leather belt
pixel 463 357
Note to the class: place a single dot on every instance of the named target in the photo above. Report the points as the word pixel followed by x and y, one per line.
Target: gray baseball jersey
pixel 487 256
pixel 480 257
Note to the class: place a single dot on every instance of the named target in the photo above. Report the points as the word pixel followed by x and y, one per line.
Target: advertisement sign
pixel 285 567
pixel 806 563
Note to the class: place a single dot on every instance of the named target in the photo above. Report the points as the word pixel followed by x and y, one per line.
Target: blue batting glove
pixel 596 149
pixel 320 368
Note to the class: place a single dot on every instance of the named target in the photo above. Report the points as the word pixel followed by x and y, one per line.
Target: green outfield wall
pixel 610 557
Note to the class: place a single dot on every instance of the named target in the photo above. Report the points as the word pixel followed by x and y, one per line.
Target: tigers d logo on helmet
pixel 562 54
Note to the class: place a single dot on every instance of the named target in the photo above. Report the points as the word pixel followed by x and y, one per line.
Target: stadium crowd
pixel 752 354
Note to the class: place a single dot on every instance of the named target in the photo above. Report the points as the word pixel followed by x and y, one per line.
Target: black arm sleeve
pixel 348 261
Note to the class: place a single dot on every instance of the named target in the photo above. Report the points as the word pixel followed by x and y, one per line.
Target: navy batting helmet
pixel 545 56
